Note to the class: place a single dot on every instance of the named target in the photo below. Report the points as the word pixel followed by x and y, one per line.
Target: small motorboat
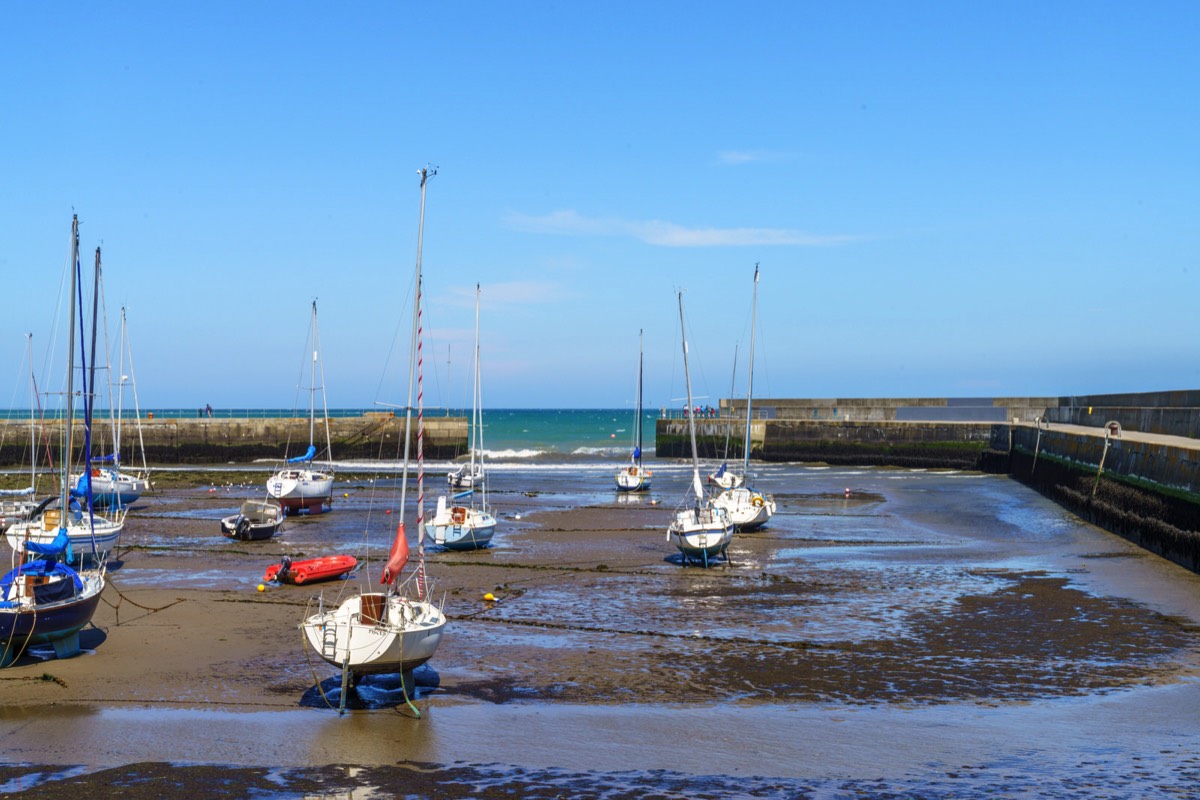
pixel 310 570
pixel 255 521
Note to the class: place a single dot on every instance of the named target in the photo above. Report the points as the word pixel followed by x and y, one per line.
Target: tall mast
pixel 425 176
pixel 312 380
pixel 476 433
pixel 120 392
pixel 637 440
pixel 750 379
pixel 32 423
pixel 690 411
pixel 69 439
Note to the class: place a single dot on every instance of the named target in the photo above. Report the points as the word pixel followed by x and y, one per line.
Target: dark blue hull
pixel 45 624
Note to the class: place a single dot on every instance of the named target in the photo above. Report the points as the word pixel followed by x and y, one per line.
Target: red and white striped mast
pixel 425 174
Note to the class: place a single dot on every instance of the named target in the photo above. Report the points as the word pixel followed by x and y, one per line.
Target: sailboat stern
pixel 372 633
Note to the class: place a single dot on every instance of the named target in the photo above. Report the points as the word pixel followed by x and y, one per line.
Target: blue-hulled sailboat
pixel 44 600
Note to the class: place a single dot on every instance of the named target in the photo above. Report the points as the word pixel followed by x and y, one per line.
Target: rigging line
pixel 123 598
pixel 391 353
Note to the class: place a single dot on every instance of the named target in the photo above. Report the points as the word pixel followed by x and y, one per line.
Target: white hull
pixel 113 488
pixel 633 479
pixel 746 509
pixel 727 480
pixel 465 478
pixel 14 511
pixel 459 528
pixel 405 637
pixel 43 530
pixel 301 488
pixel 700 533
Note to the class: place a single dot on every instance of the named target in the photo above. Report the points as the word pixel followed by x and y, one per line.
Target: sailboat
pixel 635 478
pixel 111 486
pixel 72 513
pixel 700 529
pixel 301 485
pixel 458 524
pixel 388 632
pixel 44 600
pixel 747 508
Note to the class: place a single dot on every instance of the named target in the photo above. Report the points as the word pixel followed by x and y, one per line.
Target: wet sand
pixel 946 632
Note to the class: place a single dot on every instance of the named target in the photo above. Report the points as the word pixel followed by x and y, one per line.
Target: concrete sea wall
pixel 374 435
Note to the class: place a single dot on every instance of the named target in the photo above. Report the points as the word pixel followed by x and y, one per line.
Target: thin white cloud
pixel 667 234
pixel 736 157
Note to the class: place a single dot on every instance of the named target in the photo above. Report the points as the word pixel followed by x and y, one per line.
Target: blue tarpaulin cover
pixel 61 544
pixel 39 567
pixel 308 456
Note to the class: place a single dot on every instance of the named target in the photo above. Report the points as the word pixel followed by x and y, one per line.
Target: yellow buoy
pixel 489 597
pixel 262 587
pixel 345 494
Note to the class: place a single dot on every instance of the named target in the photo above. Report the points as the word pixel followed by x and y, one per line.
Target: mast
pixel 425 176
pixel 637 434
pixel 89 369
pixel 476 432
pixel 312 381
pixel 32 419
pixel 69 439
pixel 120 392
pixel 137 411
pixel 750 379
pixel 691 415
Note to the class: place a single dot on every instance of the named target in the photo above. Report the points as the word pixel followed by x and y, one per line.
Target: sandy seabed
pixel 936 634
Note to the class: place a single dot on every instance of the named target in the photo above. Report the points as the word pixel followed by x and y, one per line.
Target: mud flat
pixel 948 634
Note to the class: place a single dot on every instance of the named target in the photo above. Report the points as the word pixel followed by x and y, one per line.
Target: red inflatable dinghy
pixel 309 570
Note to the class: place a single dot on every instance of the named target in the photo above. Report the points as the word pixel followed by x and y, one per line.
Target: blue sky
pixel 946 199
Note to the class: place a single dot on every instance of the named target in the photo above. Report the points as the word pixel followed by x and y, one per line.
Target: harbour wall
pixel 904 432
pixel 1143 484
pixel 206 440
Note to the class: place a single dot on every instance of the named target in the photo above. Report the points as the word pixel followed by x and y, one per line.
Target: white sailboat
pixel 43 600
pixel 112 486
pixel 700 530
pixel 747 508
pixel 635 477
pixel 388 632
pixel 301 485
pixel 90 535
pixel 458 523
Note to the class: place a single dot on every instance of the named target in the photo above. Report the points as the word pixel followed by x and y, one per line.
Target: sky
pixel 944 199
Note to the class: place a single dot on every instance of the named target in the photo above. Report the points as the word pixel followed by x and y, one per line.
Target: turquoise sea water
pixel 563 433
